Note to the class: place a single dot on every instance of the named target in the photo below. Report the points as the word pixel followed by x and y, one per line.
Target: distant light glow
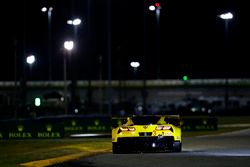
pixel 157 4
pixel 77 21
pixel 152 8
pixel 226 16
pixel 44 9
pixel 185 78
pixel 74 22
pixel 62 98
pixel 69 45
pixel 70 22
pixel 30 59
pixel 37 102
pixel 139 108
pixel 134 64
pixel 50 9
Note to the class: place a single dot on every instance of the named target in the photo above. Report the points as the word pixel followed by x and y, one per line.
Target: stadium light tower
pixel 68 46
pixel 135 65
pixel 157 8
pixel 75 22
pixel 48 10
pixel 30 60
pixel 226 17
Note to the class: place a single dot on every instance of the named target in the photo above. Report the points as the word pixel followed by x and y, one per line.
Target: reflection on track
pixel 228 152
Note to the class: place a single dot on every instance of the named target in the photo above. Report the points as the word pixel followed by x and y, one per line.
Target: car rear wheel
pixel 115 148
pixel 177 146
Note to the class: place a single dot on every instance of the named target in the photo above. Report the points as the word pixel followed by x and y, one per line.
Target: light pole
pixel 75 23
pixel 68 46
pixel 226 17
pixel 30 60
pixel 135 65
pixel 157 8
pixel 49 12
pixel 100 87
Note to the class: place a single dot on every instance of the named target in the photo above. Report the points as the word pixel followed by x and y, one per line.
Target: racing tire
pixel 177 146
pixel 115 148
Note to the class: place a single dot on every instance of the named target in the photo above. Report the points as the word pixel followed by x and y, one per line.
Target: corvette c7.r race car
pixel 148 133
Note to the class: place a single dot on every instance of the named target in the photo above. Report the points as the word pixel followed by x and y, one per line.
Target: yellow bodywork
pixel 151 129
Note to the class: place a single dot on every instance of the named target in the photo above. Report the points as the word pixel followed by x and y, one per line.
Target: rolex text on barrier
pixel 199 123
pixel 60 127
pixel 30 129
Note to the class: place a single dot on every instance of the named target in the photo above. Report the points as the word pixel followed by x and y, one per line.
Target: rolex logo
pixel 73 123
pixel 20 128
pixel 49 128
pixel 97 122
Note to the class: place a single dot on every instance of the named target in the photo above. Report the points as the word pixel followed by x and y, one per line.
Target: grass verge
pixel 14 152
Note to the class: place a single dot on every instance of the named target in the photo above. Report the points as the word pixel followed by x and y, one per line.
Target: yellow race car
pixel 148 133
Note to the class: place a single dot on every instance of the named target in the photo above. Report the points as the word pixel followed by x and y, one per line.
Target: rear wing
pixel 169 119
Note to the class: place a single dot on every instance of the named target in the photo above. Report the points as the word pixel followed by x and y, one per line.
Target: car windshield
pixel 145 120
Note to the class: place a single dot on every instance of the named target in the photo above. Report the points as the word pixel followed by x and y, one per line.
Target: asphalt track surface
pixel 224 150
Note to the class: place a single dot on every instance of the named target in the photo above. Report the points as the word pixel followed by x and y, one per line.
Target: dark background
pixel 192 39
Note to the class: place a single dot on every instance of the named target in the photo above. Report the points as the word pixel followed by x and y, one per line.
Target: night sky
pixel 190 39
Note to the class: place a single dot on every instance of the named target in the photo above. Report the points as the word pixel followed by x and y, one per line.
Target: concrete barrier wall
pixel 62 127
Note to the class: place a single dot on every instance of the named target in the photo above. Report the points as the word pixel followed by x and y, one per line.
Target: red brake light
pixel 163 128
pixel 166 127
pixel 131 128
pixel 124 129
pixel 158 128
